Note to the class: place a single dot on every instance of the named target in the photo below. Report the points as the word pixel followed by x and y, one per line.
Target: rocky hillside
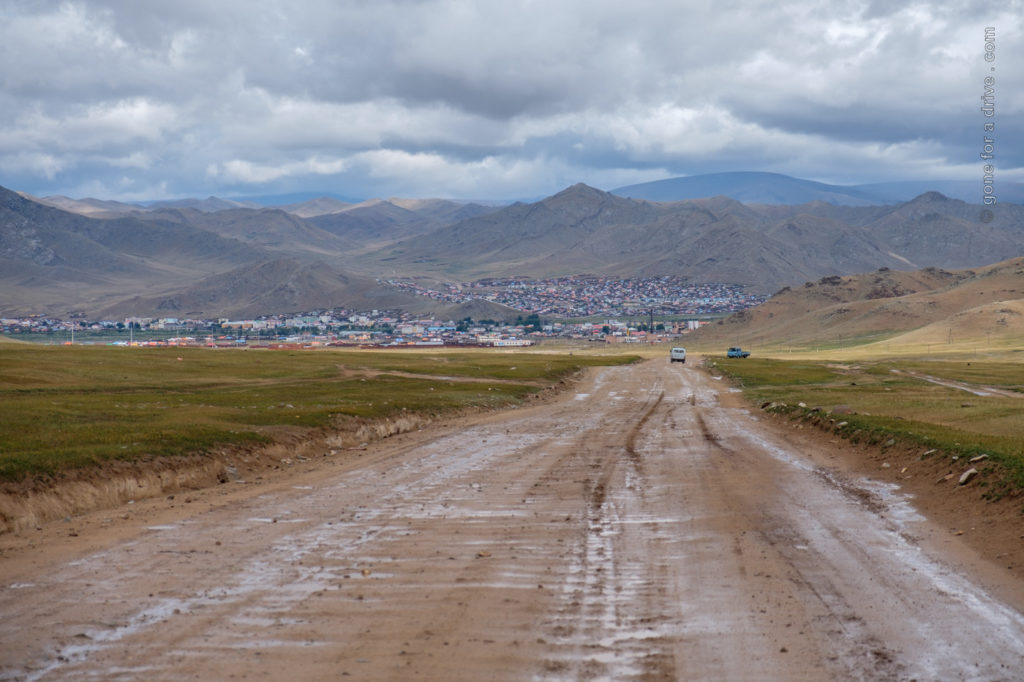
pixel 582 229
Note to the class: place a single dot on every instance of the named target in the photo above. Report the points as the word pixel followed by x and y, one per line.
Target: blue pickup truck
pixel 737 352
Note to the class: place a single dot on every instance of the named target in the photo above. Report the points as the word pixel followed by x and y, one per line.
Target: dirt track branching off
pixel 949 408
pixel 74 407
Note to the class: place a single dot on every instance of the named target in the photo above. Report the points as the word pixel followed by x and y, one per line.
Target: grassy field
pixel 894 398
pixel 66 407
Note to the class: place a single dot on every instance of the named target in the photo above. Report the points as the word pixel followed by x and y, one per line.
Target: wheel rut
pixel 635 530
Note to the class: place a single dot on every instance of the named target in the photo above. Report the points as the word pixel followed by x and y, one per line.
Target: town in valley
pixel 587 307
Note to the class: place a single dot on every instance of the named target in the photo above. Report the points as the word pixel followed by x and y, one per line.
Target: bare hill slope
pixel 285 285
pixel 582 229
pixel 886 304
pixel 53 262
pixel 274 229
pixel 378 223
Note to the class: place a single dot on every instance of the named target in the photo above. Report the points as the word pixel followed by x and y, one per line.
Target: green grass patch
pixel 767 372
pixel 475 364
pixel 895 404
pixel 64 407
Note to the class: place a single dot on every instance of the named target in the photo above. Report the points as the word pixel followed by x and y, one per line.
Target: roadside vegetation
pixel 902 400
pixel 71 407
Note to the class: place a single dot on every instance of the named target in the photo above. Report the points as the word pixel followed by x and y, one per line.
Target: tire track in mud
pixel 711 436
pixel 631 438
pixel 876 606
pixel 599 633
pixel 841 636
pixel 317 555
pixel 603 536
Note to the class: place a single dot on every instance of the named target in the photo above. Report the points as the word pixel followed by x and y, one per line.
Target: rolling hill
pixel 314 207
pixel 775 188
pixel 97 208
pixel 207 205
pixel 289 285
pixel 748 187
pixel 277 285
pixel 378 223
pixel 886 306
pixel 274 229
pixel 54 262
pixel 46 236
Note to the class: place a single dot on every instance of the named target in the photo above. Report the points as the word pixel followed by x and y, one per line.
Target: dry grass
pixel 888 312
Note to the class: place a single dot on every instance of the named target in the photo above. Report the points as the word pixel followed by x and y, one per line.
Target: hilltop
pixel 776 188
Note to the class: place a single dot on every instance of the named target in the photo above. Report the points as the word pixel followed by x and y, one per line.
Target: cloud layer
pixel 130 100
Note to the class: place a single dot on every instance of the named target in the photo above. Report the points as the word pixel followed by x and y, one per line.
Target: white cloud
pixel 140 160
pixel 500 99
pixel 238 170
pixel 31 165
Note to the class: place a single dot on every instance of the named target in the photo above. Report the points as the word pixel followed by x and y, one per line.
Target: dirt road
pixel 645 526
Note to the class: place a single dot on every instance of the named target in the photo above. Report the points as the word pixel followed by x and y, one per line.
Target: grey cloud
pixel 519 97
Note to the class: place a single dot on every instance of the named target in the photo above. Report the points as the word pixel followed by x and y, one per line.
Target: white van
pixel 677 355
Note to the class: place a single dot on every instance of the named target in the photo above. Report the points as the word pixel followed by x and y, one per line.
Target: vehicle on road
pixel 737 352
pixel 677 355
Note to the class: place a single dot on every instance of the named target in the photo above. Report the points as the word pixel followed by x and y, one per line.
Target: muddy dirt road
pixel 644 526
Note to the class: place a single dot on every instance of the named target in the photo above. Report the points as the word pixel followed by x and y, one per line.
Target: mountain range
pixel 184 261
pixel 744 186
pixel 582 229
pixel 775 188
pixel 109 260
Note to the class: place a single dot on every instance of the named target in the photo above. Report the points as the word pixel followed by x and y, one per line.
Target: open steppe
pixel 845 503
pixel 645 523
pixel 93 426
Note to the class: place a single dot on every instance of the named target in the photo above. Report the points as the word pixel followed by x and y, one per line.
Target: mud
pixel 646 526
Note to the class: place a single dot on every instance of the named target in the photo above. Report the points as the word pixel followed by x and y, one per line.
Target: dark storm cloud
pixel 133 99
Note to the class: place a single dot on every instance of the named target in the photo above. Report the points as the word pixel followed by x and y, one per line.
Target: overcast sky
pixel 496 99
